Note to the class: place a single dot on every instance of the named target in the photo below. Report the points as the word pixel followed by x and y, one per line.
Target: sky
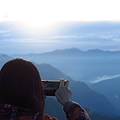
pixel 43 13
pixel 46 11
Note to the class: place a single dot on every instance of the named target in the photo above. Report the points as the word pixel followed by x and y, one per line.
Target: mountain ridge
pixel 89 64
pixel 72 50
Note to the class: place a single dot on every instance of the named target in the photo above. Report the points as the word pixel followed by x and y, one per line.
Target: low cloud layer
pixel 105 77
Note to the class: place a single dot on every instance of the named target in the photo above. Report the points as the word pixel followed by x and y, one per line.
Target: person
pixel 22 96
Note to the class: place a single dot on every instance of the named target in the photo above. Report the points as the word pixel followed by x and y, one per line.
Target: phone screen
pixel 50 87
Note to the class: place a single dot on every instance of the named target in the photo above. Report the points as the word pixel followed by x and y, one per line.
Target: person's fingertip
pixel 61 82
pixel 66 83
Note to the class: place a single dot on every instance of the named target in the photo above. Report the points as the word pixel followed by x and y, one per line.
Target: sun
pixel 36 25
pixel 39 24
pixel 36 14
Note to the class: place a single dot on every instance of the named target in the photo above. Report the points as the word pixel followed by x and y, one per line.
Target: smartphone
pixel 50 86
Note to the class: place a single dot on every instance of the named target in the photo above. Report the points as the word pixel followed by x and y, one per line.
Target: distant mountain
pixel 80 65
pixel 84 66
pixel 111 89
pixel 69 51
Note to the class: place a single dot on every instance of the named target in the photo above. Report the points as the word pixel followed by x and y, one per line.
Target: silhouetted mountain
pixel 111 89
pixel 70 51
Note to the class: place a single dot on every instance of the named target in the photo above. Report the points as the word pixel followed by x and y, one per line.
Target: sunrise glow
pixel 42 13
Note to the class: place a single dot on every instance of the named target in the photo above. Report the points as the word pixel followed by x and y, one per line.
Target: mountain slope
pixel 111 89
pixel 80 65
pixel 91 99
pixel 81 92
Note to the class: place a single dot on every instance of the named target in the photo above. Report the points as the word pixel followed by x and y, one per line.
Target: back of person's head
pixel 20 85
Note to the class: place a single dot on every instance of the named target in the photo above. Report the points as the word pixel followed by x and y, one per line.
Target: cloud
pixel 30 40
pixel 116 39
pixel 4 31
pixel 105 77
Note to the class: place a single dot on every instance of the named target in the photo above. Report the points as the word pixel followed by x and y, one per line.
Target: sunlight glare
pixel 43 13
pixel 35 26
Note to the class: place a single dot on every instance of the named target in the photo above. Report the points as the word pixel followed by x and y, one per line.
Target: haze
pixel 36 22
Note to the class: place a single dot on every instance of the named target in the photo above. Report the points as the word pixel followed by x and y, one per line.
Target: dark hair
pixel 20 85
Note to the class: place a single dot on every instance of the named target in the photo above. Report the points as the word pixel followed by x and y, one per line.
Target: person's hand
pixel 63 93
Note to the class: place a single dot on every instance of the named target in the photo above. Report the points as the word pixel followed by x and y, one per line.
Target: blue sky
pixel 11 42
pixel 103 36
pixel 40 16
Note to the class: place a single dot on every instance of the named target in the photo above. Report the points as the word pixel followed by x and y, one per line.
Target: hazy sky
pixel 41 13
pixel 46 11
